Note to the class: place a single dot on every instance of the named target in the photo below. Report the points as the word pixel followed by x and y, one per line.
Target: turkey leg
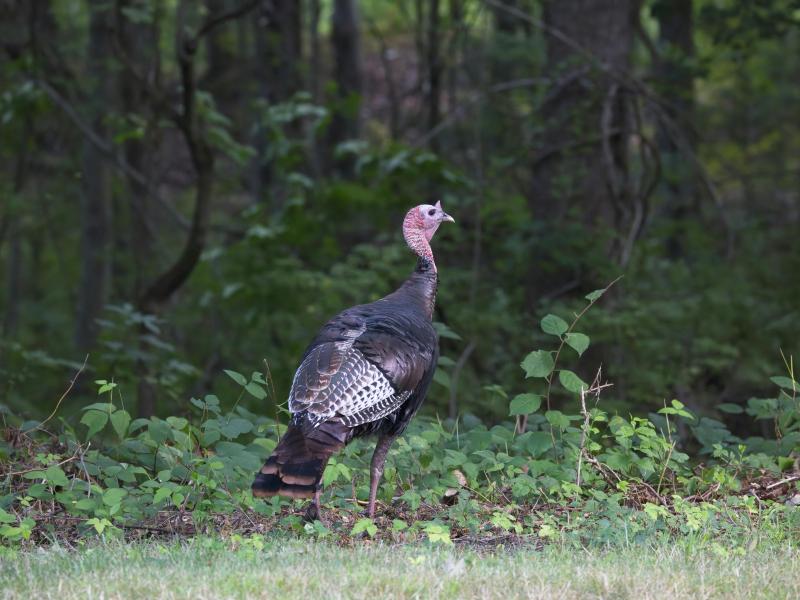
pixel 313 510
pixel 376 470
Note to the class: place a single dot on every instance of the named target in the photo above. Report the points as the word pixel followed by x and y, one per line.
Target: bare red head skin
pixel 420 224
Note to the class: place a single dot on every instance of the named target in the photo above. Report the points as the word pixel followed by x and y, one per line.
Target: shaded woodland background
pixel 192 186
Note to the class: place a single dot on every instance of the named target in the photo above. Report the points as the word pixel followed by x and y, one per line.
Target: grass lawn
pixel 292 568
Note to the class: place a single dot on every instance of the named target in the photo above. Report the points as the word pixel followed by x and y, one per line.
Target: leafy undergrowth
pixel 583 478
pixel 477 486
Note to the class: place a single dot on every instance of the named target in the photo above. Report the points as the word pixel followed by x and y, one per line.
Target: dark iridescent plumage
pixel 366 372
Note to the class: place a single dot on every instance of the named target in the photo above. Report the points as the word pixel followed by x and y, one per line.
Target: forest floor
pixel 282 567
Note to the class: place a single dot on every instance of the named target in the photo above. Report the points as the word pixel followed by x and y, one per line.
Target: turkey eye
pixel 431 212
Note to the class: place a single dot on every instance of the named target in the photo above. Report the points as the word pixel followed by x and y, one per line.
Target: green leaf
pixel 554 325
pixel 106 387
pixel 557 419
pixel 120 421
pixel 364 525
pixel 7 518
pixel 236 427
pixel 578 342
pixel 733 409
pixel 786 383
pixel 106 407
pixel 55 476
pixel 177 422
pixel 255 390
pixel 444 331
pixel 113 496
pixel 438 534
pixel 159 431
pixel 524 404
pixel 397 524
pixel 593 296
pixel 571 381
pixel 237 377
pixel 442 378
pixel 446 361
pixel 162 494
pixel 538 363
pixel 94 420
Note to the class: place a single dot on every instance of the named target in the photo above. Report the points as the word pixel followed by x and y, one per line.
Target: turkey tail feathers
pixel 296 466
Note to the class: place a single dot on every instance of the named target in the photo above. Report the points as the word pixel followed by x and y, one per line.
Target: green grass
pixel 291 568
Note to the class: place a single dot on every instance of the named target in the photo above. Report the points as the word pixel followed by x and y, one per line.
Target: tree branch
pixel 215 21
pixel 108 151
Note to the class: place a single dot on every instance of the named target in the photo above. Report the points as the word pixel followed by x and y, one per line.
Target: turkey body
pixel 366 372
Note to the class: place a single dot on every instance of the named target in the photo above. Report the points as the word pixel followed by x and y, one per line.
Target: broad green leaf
pixel 55 476
pixel 7 518
pixel 177 422
pixel 86 504
pixel 162 494
pixel 557 419
pixel 113 496
pixel 442 378
pixel 538 442
pixel 786 383
pixel 159 431
pixel 524 404
pixel 255 390
pixel 120 421
pixel 236 427
pixel 329 475
pixel 363 525
pixel 578 342
pixel 571 381
pixel 444 331
pixel 94 420
pixel 733 409
pixel 538 363
pixel 446 361
pixel 397 524
pixel 237 377
pixel 554 325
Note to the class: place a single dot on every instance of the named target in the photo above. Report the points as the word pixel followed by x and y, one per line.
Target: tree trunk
pixel 95 202
pixel 315 60
pixel 139 43
pixel 345 38
pixel 575 169
pixel 13 279
pixel 278 53
pixel 674 77
pixel 434 70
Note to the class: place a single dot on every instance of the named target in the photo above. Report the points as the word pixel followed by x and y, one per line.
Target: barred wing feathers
pixel 362 367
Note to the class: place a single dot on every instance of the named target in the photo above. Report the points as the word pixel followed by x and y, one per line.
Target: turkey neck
pixel 420 287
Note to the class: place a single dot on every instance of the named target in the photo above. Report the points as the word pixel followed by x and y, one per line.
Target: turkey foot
pixel 313 511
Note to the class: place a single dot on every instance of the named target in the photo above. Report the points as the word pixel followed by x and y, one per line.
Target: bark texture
pixel 95 199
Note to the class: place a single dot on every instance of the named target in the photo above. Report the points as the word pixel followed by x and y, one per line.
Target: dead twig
pixel 64 395
pixel 782 482
pixel 595 388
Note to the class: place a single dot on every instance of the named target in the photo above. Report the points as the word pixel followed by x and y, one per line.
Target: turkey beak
pixel 446 217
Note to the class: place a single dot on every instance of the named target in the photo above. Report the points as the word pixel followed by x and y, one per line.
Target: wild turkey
pixel 366 372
